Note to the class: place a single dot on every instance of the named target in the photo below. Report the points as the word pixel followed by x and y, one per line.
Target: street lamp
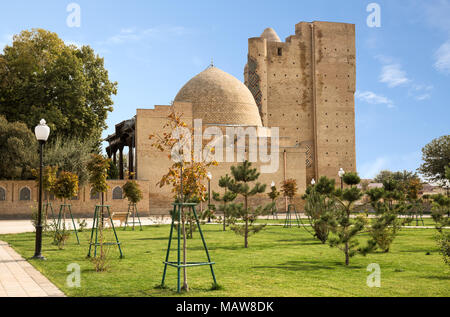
pixel 209 176
pixel 341 174
pixel 272 185
pixel 313 182
pixel 42 132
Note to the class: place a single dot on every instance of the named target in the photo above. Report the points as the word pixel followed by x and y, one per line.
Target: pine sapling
pixel 243 176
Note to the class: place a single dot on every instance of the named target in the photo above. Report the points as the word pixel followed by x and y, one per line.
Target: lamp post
pixel 313 182
pixel 42 132
pixel 272 185
pixel 341 174
pixel 209 176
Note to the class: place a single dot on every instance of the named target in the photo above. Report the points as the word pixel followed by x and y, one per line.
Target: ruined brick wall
pixel 306 88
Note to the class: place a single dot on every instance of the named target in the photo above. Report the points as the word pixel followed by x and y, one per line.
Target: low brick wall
pixel 21 198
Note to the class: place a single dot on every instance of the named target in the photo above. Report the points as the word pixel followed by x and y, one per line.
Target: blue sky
pixel 153 47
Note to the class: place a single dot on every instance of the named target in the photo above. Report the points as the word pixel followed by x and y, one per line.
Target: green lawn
pixel 279 262
pixel 426 221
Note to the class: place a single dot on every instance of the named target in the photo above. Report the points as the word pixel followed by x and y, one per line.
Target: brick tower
pixel 306 86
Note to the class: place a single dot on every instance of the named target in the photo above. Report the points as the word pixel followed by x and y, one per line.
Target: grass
pixel 426 221
pixel 280 262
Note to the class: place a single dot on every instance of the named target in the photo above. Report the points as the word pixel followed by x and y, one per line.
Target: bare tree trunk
pixel 246 223
pixel 347 258
pixel 183 228
pixel 224 217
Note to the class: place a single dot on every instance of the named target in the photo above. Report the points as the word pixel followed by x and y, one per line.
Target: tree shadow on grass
pixel 298 266
pixel 436 277
pixel 159 238
pixel 431 250
pixel 302 241
pixel 307 266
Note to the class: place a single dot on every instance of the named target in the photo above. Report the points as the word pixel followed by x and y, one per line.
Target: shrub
pixel 351 178
pixel 66 185
pixel 319 209
pixel 289 189
pixel 132 191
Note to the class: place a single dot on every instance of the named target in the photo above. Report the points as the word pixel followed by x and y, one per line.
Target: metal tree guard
pixel 178 264
pixel 98 217
pixel 62 219
pixel 132 209
pixel 289 219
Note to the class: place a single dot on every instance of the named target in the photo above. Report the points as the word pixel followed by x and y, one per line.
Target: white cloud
pixel 369 170
pixel 421 92
pixel 442 57
pixel 374 99
pixel 396 162
pixel 423 97
pixel 133 34
pixel 393 75
pixel 6 39
pixel 437 15
pixel 77 44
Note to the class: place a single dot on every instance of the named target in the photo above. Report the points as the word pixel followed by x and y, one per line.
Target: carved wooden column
pixel 130 162
pixel 121 176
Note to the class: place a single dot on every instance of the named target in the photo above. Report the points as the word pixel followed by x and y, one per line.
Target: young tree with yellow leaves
pixel 186 175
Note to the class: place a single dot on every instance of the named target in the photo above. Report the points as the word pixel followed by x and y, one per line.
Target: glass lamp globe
pixel 42 131
pixel 341 173
pixel 273 184
pixel 313 182
pixel 209 176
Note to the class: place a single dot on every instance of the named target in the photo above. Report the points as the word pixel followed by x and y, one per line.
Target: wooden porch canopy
pixel 125 135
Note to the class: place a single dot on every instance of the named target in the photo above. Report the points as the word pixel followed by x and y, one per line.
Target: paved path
pixel 20 226
pixel 18 278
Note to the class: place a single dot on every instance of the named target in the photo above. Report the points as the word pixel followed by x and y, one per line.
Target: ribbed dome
pixel 270 35
pixel 219 98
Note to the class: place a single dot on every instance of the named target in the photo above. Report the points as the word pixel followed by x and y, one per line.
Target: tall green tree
pixel 18 150
pixel 344 227
pixel 400 176
pixel 244 176
pixel 436 156
pixel 225 199
pixel 440 214
pixel 71 155
pixel 320 207
pixel 388 202
pixel 41 77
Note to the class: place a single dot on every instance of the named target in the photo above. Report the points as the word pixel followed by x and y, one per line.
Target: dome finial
pixel 212 63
